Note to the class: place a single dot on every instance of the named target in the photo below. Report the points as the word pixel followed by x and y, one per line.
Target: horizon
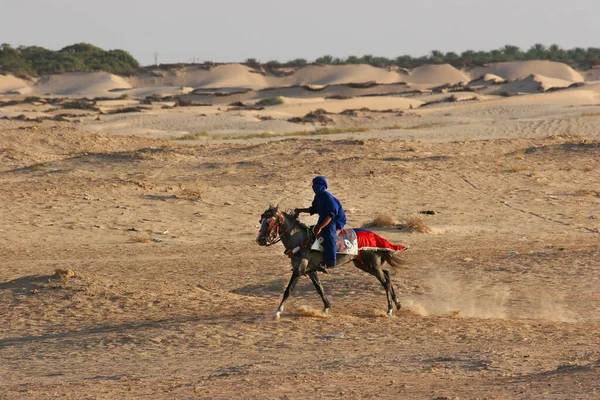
pixel 266 30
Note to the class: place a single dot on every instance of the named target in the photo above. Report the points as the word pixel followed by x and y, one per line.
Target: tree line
pixel 578 55
pixel 36 61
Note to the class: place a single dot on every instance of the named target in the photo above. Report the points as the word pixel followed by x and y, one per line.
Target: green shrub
pixel 270 101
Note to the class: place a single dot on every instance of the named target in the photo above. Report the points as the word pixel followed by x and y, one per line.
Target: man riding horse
pixel 331 219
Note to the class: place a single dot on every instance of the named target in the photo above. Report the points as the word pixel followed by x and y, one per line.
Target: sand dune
pixel 437 74
pixel 340 74
pixel 80 84
pixel 521 69
pixel 221 76
pixel 9 83
pixel 534 83
pixel 488 79
pixel 329 79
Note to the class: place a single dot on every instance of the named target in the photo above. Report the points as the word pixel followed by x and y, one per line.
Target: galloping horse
pixel 277 225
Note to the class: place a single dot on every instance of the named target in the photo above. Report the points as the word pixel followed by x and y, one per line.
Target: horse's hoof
pixel 389 313
pixel 398 306
pixel 326 310
pixel 276 315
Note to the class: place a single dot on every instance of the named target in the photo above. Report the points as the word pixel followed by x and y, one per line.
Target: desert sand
pixel 129 263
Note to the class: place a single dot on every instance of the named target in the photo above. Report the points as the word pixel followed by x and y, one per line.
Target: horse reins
pixel 278 219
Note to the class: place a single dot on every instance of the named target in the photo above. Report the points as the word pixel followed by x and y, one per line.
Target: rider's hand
pixel 317 230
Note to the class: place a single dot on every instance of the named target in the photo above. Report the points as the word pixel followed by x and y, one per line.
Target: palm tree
pixel 511 52
pixel 436 54
pixel 324 60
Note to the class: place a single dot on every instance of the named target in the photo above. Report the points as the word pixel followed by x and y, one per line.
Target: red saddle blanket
pixel 368 240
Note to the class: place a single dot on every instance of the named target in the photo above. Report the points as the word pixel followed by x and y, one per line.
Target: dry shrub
pixel 143 238
pixel 415 224
pixel 64 273
pixel 141 155
pixel 517 168
pixel 520 154
pixel 37 167
pixel 193 191
pixel 380 220
pixel 584 192
pixel 193 136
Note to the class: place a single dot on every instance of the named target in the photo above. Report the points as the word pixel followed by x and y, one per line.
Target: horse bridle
pixel 271 233
pixel 273 236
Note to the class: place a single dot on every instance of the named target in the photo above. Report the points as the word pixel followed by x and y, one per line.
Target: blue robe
pixel 326 205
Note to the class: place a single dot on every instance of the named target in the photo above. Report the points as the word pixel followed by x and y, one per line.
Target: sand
pixel 513 70
pixel 130 269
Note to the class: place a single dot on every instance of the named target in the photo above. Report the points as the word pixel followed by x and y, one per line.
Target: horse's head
pixel 271 222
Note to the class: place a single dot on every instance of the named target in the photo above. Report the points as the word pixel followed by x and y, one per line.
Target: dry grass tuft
pixel 415 224
pixel 320 131
pixel 392 127
pixel 193 136
pixel 64 273
pixel 520 154
pixel 381 220
pixel 584 192
pixel 193 191
pixel 517 168
pixel 143 238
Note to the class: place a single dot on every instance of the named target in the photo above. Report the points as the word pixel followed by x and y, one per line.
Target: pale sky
pixel 234 30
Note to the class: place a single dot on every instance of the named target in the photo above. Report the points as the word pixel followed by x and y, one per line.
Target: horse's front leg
pixel 290 287
pixel 315 280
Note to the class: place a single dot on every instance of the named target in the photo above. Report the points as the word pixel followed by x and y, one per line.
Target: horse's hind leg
pixel 393 292
pixel 286 293
pixel 315 280
pixel 380 275
pixel 373 267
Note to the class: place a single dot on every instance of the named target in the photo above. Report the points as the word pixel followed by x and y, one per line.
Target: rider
pixel 331 219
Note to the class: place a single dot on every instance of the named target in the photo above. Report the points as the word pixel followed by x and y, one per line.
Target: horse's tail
pixel 392 258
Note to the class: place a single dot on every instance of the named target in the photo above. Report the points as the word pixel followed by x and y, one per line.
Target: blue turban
pixel 319 184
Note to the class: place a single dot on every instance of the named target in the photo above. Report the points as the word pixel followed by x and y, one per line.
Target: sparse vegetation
pixel 193 136
pixel 270 101
pixel 425 125
pixel 321 131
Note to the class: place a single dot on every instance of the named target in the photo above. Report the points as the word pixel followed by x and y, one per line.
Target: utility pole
pixel 156 59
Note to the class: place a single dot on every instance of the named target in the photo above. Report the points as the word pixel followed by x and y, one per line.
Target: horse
pixel 297 238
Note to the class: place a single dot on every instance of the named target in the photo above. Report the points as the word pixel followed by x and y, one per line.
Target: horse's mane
pixel 294 217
